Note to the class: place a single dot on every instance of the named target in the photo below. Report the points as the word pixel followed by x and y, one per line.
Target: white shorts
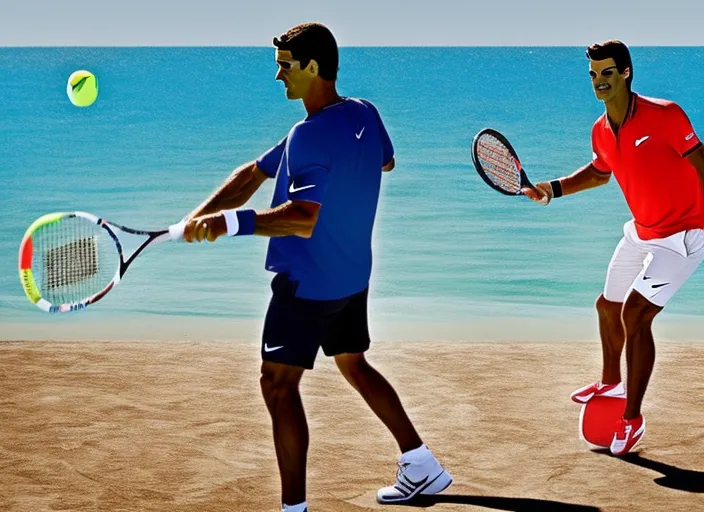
pixel 655 268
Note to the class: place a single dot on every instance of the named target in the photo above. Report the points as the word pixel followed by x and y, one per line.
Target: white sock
pixel 418 453
pixel 301 507
pixel 602 385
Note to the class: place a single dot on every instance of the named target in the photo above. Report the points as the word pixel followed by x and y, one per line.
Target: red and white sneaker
pixel 583 395
pixel 628 435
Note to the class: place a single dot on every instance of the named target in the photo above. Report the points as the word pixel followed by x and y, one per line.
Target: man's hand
pixel 206 227
pixel 542 193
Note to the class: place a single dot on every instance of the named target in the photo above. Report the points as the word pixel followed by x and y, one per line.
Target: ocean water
pixel 171 123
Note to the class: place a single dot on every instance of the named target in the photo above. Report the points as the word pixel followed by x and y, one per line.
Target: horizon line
pixel 20 46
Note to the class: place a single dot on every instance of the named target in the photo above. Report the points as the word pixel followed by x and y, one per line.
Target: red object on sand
pixel 597 421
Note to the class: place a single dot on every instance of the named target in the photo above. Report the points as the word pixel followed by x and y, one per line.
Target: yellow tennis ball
pixel 82 88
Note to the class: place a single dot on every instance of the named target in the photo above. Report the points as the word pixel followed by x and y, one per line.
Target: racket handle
pixel 176 231
pixel 544 199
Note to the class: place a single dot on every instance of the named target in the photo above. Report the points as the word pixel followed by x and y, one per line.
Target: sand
pixel 181 426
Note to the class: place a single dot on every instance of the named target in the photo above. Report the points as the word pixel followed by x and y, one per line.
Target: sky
pixel 354 22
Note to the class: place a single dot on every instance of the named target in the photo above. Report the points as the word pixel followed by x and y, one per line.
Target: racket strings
pixel 73 259
pixel 498 163
pixel 70 263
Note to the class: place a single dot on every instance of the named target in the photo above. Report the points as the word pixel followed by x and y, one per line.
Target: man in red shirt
pixel 649 145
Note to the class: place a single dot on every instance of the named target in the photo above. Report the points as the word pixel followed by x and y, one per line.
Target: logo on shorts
pixel 267 348
pixel 658 285
pixel 690 136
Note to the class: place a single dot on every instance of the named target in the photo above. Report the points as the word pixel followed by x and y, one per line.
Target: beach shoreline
pixel 545 326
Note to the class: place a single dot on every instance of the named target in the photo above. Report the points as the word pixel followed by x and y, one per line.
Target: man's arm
pixel 696 158
pixel 388 161
pixel 237 189
pixel 584 178
pixel 308 161
pixel 390 165
pixel 291 218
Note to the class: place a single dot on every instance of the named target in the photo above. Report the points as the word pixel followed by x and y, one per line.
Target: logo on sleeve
pixel 292 189
pixel 690 136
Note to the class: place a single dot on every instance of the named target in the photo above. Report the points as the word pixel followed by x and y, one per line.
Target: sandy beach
pixel 181 426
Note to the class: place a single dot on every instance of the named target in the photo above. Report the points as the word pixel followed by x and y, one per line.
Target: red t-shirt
pixel 661 187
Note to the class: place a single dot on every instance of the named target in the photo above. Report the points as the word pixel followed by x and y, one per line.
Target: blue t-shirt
pixel 333 158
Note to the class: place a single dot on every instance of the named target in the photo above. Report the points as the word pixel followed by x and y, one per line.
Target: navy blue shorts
pixel 296 328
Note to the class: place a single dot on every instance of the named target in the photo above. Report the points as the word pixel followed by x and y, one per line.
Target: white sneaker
pixel 289 508
pixel 418 474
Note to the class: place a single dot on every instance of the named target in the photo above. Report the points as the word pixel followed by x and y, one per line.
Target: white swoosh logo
pixel 267 348
pixel 292 189
pixel 642 140
pixel 359 135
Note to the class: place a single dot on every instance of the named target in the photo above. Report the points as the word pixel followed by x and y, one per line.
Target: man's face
pixel 608 83
pixel 296 80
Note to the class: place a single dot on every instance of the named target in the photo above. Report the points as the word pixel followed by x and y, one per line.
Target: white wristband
pixel 232 222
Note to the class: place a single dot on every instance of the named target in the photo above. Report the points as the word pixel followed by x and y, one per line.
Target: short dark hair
pixel 312 41
pixel 613 49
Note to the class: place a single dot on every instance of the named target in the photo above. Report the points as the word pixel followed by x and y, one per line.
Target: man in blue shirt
pixel 328 174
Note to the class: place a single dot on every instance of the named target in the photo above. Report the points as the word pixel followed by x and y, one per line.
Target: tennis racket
pixel 68 261
pixel 497 163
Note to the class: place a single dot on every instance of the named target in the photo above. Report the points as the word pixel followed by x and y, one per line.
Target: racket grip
pixel 176 231
pixel 544 199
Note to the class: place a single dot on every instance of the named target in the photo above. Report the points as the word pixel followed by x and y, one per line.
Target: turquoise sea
pixel 171 123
